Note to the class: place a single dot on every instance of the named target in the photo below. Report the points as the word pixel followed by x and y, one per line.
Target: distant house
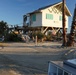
pixel 48 17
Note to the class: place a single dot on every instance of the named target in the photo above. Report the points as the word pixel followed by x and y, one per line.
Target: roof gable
pixel 57 5
pixel 49 6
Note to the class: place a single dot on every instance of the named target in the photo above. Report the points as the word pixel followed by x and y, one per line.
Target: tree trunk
pixel 70 41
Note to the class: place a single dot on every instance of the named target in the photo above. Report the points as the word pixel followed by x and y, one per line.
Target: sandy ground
pixel 31 58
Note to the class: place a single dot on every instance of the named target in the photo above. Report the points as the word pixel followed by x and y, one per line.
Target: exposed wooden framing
pixel 53 10
pixel 59 8
pixel 50 10
pixel 42 28
pixel 45 30
pixel 56 30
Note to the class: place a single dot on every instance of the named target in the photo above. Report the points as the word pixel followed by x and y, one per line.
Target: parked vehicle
pixel 67 67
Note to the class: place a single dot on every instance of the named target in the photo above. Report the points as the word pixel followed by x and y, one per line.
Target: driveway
pixel 31 59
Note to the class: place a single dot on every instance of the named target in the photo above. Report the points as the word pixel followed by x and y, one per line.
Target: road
pixel 24 59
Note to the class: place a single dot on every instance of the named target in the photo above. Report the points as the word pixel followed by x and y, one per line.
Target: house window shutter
pixel 60 18
pixel 34 17
pixel 49 16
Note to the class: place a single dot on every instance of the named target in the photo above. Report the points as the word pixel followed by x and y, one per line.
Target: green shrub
pixel 12 37
pixel 49 36
pixel 39 35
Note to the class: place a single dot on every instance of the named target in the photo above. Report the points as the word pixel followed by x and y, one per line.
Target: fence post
pixel 36 40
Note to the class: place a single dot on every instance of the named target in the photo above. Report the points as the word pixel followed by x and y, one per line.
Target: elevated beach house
pixel 46 18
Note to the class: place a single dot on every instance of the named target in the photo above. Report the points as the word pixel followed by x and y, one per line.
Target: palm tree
pixel 3 28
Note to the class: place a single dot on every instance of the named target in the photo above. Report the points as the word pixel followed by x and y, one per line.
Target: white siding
pixel 66 21
pixel 38 21
pixel 52 23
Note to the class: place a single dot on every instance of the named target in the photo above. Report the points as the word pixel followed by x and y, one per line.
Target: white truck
pixel 67 67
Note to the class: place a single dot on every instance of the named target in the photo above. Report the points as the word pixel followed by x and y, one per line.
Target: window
pixel 60 18
pixel 60 71
pixel 34 17
pixel 65 73
pixel 49 16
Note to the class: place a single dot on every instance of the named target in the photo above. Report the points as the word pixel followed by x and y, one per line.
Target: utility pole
pixel 64 23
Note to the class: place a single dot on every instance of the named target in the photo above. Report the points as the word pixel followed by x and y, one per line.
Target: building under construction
pixel 46 18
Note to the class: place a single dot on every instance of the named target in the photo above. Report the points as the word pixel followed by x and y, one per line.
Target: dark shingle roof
pixel 38 10
pixel 48 6
pixel 42 8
